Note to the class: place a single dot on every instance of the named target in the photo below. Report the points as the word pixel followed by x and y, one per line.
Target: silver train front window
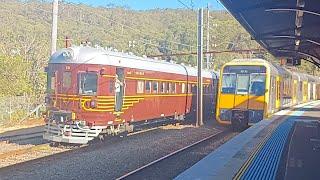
pixel 257 84
pixel 51 81
pixel 242 83
pixel 228 83
pixel 88 83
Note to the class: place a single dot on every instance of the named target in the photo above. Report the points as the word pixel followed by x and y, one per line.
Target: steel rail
pixel 23 136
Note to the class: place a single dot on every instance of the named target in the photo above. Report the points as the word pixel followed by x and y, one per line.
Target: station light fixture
pixel 298 32
pixel 301 3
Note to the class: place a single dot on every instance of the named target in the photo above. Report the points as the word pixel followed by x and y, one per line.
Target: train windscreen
pixel 88 83
pixel 244 80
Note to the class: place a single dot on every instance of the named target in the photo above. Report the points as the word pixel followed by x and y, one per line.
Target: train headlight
pixel 73 116
pixel 225 114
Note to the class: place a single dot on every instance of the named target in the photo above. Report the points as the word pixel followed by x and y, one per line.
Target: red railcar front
pixel 93 92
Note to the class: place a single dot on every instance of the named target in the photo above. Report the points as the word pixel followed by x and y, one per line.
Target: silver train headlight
pixel 225 114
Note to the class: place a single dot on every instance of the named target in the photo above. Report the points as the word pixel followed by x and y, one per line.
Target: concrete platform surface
pixel 225 162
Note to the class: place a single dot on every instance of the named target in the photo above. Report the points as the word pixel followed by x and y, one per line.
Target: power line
pixel 185 5
pixel 117 22
pixel 132 28
pixel 142 40
pixel 212 52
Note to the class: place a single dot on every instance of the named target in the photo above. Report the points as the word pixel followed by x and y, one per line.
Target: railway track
pixel 34 137
pixel 166 167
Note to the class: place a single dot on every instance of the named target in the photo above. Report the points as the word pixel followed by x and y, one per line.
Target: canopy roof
pixel 286 28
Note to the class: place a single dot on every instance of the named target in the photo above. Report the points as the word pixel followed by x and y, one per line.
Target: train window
pixel 168 87
pixel 242 83
pixel 155 87
pixel 183 88
pixel 228 83
pixel 162 87
pixel 173 88
pixel 66 79
pixel 140 86
pixel 148 86
pixel 189 88
pixel 51 82
pixel 88 83
pixel 257 84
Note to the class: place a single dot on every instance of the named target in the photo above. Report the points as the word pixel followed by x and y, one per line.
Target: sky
pixel 152 4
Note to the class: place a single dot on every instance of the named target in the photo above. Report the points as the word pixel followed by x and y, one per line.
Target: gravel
pixel 170 167
pixel 7 147
pixel 34 152
pixel 112 158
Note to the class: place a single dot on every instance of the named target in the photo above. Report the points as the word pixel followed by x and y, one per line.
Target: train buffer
pixel 285 146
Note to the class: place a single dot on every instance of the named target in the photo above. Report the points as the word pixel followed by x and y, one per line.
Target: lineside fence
pixel 20 108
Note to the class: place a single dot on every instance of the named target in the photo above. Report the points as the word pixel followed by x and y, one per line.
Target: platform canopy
pixel 286 28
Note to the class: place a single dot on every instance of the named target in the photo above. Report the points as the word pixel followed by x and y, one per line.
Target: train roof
pixel 90 55
pixel 256 61
pixel 274 68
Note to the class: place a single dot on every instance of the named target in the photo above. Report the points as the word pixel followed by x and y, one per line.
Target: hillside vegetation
pixel 26 31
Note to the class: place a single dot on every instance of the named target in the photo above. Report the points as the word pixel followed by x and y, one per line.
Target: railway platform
pixel 286 146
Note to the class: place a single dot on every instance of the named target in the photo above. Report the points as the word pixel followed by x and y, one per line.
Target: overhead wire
pixel 142 40
pixel 111 34
pixel 132 28
pixel 185 5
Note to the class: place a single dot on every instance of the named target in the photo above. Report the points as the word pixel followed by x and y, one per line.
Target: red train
pixel 92 92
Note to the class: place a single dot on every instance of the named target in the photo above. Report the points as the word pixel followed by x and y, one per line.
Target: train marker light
pixel 93 103
pixel 73 116
pixel 67 67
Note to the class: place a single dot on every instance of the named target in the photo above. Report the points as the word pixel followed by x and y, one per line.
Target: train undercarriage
pixel 59 128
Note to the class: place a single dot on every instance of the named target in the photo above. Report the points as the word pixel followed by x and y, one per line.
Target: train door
pixel 294 92
pixel 273 94
pixel 256 101
pixel 227 93
pixel 314 91
pixel 300 92
pixel 119 89
pixel 278 93
pixel 242 92
pixel 311 91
